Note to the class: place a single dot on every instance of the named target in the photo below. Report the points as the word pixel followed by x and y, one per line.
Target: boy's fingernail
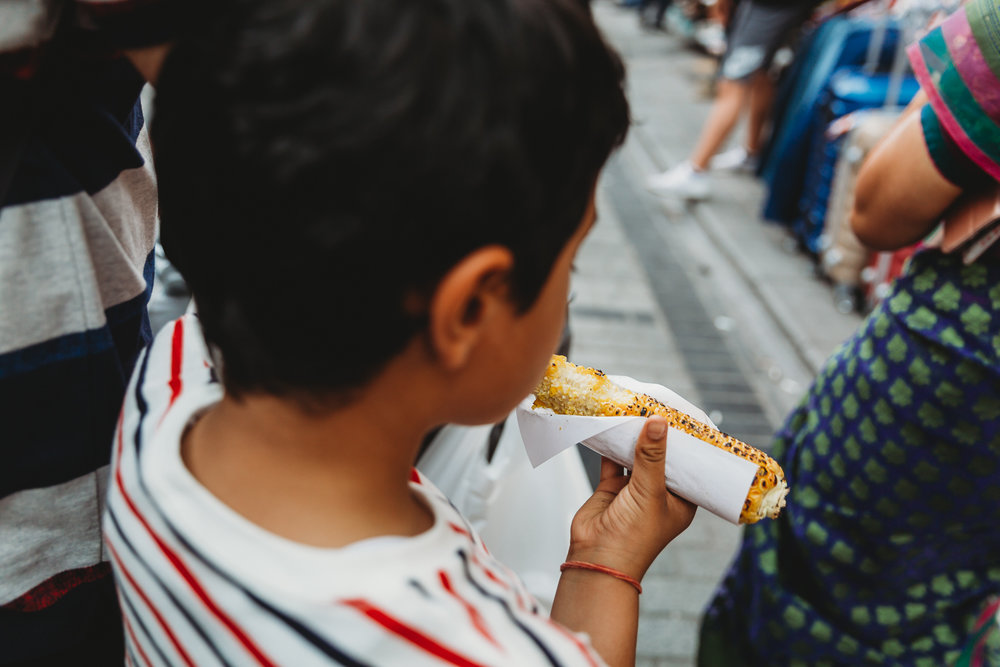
pixel 656 429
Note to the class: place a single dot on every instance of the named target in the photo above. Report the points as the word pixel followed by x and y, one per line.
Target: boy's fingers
pixel 610 469
pixel 681 506
pixel 650 458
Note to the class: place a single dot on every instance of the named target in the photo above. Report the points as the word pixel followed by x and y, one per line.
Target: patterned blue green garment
pixel 890 545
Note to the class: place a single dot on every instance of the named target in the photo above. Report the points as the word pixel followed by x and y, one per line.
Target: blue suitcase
pixel 837 43
pixel 850 89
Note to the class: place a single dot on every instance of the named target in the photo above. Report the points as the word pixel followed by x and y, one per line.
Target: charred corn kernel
pixel 576 390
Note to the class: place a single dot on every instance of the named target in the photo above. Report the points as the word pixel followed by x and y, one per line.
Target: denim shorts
pixel 756 33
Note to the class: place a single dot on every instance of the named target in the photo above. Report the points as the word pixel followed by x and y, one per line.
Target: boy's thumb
pixel 648 469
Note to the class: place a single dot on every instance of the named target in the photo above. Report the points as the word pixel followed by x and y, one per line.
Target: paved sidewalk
pixel 706 299
pixel 617 325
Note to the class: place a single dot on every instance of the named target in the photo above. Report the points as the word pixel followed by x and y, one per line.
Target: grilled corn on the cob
pixel 576 390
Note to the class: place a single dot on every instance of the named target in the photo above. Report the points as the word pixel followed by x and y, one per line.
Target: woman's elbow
pixel 867 221
pixel 867 228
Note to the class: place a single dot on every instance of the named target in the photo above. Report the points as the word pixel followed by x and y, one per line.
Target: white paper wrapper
pixel 704 474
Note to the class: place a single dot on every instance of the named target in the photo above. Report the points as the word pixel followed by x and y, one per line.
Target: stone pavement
pixel 706 299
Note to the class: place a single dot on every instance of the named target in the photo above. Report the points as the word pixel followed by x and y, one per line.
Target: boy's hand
pixel 630 519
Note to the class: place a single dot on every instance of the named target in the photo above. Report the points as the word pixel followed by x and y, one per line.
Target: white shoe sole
pixel 668 190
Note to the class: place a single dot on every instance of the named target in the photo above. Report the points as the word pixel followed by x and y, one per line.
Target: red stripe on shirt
pixel 474 616
pixel 176 357
pixel 149 605
pixel 458 529
pixel 135 642
pixel 412 635
pixel 519 595
pixel 116 455
pixel 488 572
pixel 415 476
pixel 178 564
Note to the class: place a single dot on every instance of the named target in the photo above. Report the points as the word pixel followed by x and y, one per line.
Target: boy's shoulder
pixel 174 382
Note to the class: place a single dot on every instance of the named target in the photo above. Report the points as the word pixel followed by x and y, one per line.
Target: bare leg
pixel 762 90
pixel 729 102
pixel 661 11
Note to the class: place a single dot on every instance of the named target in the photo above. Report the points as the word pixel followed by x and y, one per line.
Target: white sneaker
pixel 735 159
pixel 711 36
pixel 680 181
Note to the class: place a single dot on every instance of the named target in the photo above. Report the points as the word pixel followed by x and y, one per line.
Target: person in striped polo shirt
pixel 411 182
pixel 77 224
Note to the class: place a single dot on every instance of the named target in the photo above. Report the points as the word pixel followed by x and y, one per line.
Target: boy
pixel 411 181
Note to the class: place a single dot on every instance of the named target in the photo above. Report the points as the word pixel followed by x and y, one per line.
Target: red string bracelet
pixel 580 565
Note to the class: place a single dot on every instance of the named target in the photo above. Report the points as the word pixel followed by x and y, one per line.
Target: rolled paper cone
pixel 709 467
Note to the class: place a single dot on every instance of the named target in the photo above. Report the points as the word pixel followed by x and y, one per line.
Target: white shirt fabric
pixel 201 585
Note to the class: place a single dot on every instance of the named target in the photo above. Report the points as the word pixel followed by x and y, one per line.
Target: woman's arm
pixel 900 193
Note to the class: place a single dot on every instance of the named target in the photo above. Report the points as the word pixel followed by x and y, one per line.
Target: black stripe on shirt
pixel 131 655
pixel 63 398
pixel 142 405
pixel 166 590
pixel 142 626
pixel 420 588
pixel 506 607
pixel 302 630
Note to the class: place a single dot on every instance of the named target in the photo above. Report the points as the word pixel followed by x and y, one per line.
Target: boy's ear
pixel 466 300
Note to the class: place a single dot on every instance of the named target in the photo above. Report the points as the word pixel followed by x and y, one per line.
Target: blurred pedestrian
pixel 653 12
pixel 77 225
pixel 888 550
pixel 756 30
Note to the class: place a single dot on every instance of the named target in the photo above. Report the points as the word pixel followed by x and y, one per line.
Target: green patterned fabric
pixel 889 546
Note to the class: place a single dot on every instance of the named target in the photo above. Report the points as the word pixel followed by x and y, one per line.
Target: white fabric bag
pixel 522 513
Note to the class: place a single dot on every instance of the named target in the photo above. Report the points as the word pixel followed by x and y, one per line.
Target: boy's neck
pixel 326 480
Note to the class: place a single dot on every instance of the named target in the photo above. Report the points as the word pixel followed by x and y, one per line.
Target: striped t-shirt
pixel 200 585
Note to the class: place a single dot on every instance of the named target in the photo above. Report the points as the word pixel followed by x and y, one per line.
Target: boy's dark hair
pixel 323 162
